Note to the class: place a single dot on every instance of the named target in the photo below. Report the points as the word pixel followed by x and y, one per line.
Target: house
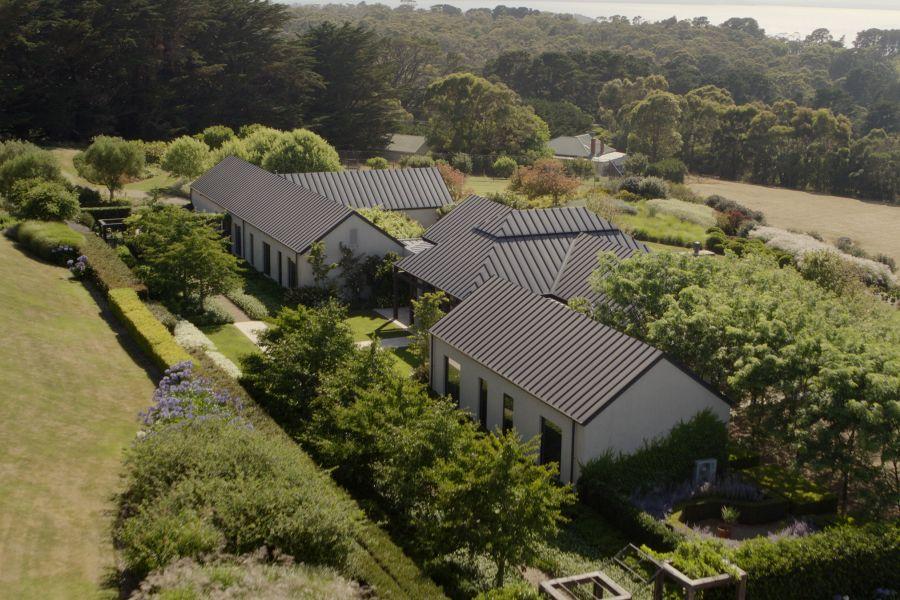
pixel 550 252
pixel 417 193
pixel 402 145
pixel 512 358
pixel 606 159
pixel 274 223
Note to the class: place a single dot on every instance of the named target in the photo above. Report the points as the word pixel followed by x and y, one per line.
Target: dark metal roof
pixel 392 189
pixel 292 215
pixel 482 239
pixel 571 362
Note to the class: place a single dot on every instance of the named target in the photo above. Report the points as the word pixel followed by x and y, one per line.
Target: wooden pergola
pixel 597 584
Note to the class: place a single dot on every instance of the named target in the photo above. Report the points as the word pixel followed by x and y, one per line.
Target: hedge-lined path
pixel 71 391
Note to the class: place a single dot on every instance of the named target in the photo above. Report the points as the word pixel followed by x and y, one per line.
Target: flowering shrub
pixel 183 396
pixel 190 337
pixel 79 267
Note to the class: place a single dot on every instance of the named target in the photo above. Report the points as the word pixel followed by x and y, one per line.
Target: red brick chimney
pixel 593 147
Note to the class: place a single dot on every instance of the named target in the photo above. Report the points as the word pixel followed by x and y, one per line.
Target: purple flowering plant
pixel 660 501
pixel 182 396
pixel 79 266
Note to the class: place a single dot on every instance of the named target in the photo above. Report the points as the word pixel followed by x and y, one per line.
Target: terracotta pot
pixel 723 531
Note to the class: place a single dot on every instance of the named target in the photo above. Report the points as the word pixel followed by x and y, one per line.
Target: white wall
pixel 654 404
pixel 426 217
pixel 527 410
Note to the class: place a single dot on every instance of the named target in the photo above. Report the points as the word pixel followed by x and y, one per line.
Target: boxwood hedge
pixel 147 331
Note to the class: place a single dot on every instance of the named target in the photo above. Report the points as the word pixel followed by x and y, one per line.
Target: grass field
pixel 136 189
pixel 875 227
pixel 666 228
pixel 71 394
pixel 230 342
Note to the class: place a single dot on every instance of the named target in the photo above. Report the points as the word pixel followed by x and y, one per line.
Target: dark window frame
pixel 267 258
pixel 482 403
pixel 450 388
pixel 292 274
pixel 549 430
pixel 279 269
pixel 252 252
pixel 238 241
pixel 509 423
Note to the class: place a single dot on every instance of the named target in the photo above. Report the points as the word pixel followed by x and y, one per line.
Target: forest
pixel 724 99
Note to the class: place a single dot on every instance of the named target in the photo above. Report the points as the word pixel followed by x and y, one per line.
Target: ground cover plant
pixel 660 227
pixel 686 211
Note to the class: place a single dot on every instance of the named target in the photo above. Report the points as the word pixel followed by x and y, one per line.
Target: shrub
pixel 504 167
pixel 693 213
pixel 667 459
pixel 580 167
pixel 186 157
pixel 454 180
pixel 636 164
pixel 163 315
pixel 86 219
pixel 154 151
pixel 653 187
pixel 214 312
pixel 510 591
pixel 43 200
pixel 416 161
pixel 723 204
pixel 670 169
pixel 377 163
pixel 190 337
pixel 394 222
pixel 301 151
pixel 639 526
pixel 6 220
pixel 805 497
pixel 109 270
pixel 309 295
pixel 152 337
pixel 88 196
pixel 33 164
pixel 108 212
pixel 462 162
pixel 631 184
pixel 627 196
pixel 251 305
pixel 248 487
pixel 13 148
pixel 216 135
pixel 682 192
pixel 55 242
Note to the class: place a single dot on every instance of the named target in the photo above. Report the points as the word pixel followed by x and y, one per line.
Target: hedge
pixel 804 496
pixel 108 212
pixel 152 337
pixel 44 238
pixel 108 270
pixel 751 513
pixel 640 527
pixel 374 558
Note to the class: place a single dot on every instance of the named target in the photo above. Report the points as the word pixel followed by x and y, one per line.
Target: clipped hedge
pixel 751 513
pixel 108 212
pixel 44 238
pixel 109 271
pixel 804 496
pixel 638 526
pixel 152 337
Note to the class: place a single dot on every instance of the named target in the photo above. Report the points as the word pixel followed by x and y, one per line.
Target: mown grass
pixel 406 362
pixel 363 324
pixel 230 341
pixel 71 394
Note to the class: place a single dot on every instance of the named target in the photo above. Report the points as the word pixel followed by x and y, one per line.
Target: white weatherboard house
pixel 513 358
pixel 274 223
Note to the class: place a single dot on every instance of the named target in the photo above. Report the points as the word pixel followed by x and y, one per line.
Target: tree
pixel 43 200
pixel 181 258
pixel 429 308
pixel 504 124
pixel 377 163
pixel 301 151
pixel 653 126
pixel 546 177
pixel 28 164
pixel 504 167
pixel 321 268
pixel 494 499
pixel 562 117
pixel 216 135
pixel 454 179
pixel 186 157
pixel 109 160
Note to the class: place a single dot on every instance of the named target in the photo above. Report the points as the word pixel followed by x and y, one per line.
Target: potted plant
pixel 730 516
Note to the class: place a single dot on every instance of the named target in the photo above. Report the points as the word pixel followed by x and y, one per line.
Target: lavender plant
pixel 660 501
pixel 184 396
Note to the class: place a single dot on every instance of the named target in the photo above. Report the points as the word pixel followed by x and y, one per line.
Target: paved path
pixel 252 329
pixel 395 342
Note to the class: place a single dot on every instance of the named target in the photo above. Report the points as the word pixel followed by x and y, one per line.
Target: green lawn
pixel 483 186
pixel 71 394
pixel 157 178
pixel 230 341
pixel 406 362
pixel 660 227
pixel 363 324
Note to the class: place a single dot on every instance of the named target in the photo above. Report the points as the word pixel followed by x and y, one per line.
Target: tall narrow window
pixel 236 242
pixel 252 247
pixel 451 378
pixel 292 274
pixel 551 442
pixel 508 406
pixel 482 403
pixel 267 259
pixel 354 238
pixel 279 267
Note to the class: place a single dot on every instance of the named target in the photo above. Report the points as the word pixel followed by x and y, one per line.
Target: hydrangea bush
pixel 184 396
pixel 79 266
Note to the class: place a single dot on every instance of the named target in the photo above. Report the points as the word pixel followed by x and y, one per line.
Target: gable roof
pixel 402 143
pixel 392 189
pixel 547 251
pixel 576 146
pixel 562 357
pixel 290 214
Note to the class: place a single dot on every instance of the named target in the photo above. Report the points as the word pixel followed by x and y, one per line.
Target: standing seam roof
pixel 562 357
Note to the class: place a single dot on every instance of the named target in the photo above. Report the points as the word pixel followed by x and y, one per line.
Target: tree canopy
pixel 109 160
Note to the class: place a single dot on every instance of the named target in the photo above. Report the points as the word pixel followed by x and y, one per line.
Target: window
pixel 279 267
pixel 507 412
pixel 551 442
pixel 482 403
pixel 292 274
pixel 354 238
pixel 252 246
pixel 267 259
pixel 451 378
pixel 236 242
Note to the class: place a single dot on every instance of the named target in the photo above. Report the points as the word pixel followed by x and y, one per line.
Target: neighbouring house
pixel 512 358
pixel 606 159
pixel 550 252
pixel 418 193
pixel 402 145
pixel 274 223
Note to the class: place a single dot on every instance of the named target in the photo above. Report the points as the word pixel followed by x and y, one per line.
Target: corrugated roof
pixel 482 239
pixel 290 214
pixel 392 189
pixel 560 356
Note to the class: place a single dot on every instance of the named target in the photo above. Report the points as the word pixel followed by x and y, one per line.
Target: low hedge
pixel 804 496
pixel 107 268
pixel 45 238
pixel 108 212
pixel 147 331
pixel 640 527
pixel 751 513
